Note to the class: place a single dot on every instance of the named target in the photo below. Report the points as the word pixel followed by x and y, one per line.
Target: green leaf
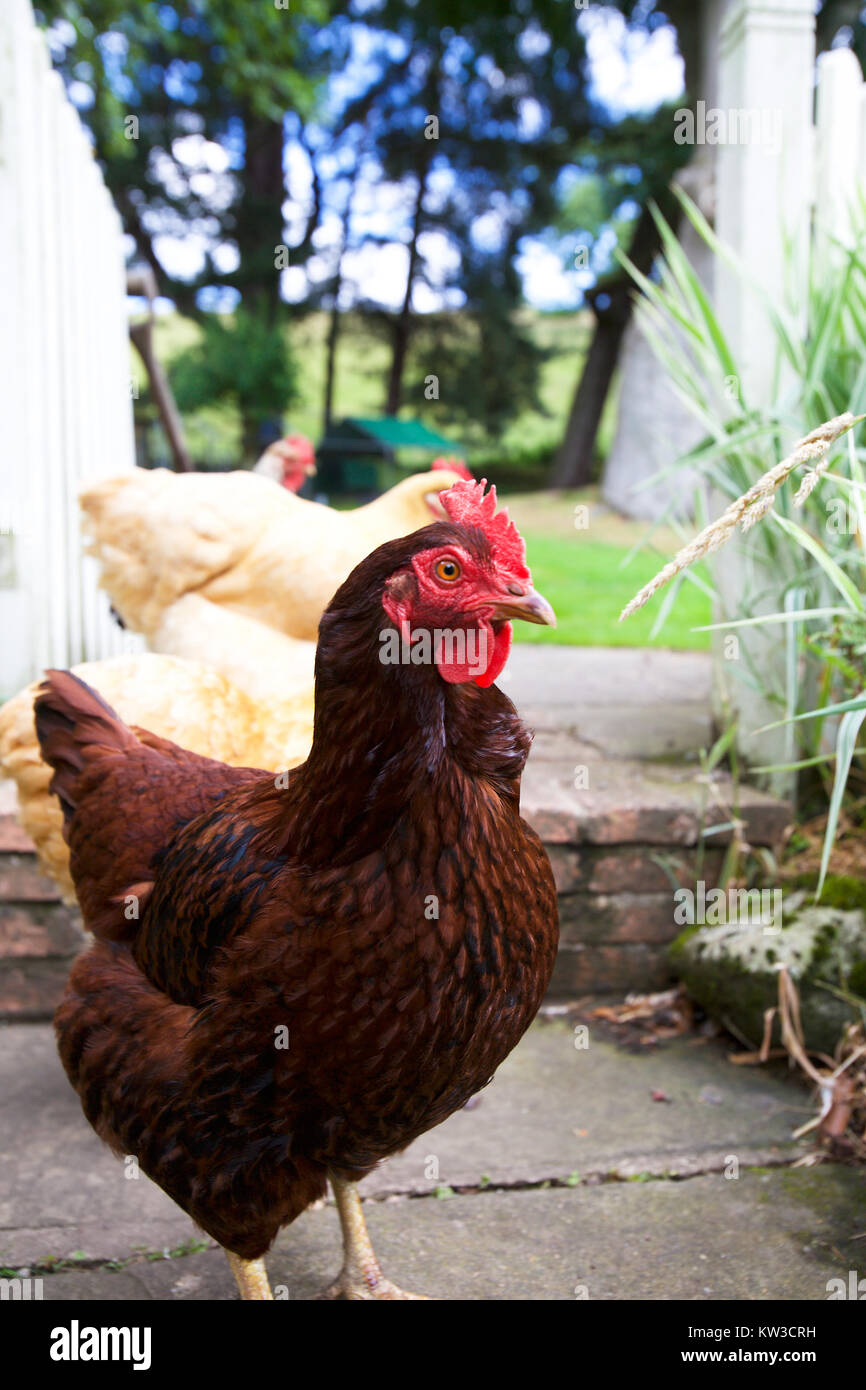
pixel 802 615
pixel 846 742
pixel 834 573
pixel 843 707
pixel 692 288
pixel 719 748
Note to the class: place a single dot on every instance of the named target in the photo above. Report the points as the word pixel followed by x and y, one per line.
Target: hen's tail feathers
pixel 70 720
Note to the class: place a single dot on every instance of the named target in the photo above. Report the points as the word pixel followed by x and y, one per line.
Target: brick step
pixel 573 794
pixel 622 835
pixel 39 935
pixel 39 938
pixel 619 842
pixel 12 838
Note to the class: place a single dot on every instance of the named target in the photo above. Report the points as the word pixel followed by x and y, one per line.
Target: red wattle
pixel 501 648
pixel 490 653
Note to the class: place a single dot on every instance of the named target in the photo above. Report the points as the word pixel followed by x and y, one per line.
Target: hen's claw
pixel 362 1287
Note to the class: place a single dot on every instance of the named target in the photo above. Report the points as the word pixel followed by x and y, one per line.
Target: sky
pixel 630 73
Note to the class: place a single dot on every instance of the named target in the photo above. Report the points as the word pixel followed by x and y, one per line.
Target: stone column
pixel 653 425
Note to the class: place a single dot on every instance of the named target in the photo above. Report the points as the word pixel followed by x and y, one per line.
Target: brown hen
pixel 296 977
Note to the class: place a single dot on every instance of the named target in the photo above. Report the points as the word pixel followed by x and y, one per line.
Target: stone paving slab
pixel 632 703
pixel 586 676
pixel 552 1111
pixel 767 1235
pixel 632 722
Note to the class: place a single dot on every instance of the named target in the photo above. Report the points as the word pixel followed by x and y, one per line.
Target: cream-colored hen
pixel 185 701
pixel 227 576
pixel 239 541
pixel 264 663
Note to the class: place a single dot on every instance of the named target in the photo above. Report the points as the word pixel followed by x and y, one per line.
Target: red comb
pixel 302 446
pixel 467 504
pixel 451 464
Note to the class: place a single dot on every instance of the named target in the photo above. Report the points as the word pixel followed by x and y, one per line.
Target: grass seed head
pixel 753 505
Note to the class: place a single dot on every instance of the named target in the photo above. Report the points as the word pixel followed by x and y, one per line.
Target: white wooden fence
pixel 800 191
pixel 65 394
pixel 784 209
pixel 840 146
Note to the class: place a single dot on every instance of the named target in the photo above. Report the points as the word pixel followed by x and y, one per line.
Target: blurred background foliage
pixel 237 129
pixel 265 159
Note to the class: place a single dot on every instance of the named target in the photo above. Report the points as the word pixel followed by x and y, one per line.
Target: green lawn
pixel 213 432
pixel 581 572
pixel 589 586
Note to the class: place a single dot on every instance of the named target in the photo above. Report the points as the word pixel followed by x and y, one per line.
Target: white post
pixel 763 212
pixel 764 184
pixel 838 153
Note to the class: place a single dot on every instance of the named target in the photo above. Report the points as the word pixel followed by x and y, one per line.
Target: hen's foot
pixel 366 1285
pixel 360 1277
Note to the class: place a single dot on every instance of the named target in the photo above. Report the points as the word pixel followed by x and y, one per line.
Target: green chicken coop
pixel 360 458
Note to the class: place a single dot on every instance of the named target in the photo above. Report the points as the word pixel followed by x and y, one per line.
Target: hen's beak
pixel 525 604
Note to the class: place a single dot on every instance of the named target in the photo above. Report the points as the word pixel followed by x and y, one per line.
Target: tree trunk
pixel 251 445
pixel 259 231
pixel 334 323
pixel 142 336
pixel 259 225
pixel 573 466
pixel 575 460
pixel 330 366
pixel 403 322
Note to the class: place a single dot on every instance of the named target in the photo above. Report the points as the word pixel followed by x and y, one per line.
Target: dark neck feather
pixel 385 733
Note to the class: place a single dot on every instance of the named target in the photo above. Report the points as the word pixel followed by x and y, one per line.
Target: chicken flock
pixel 293 976
pixel 219 572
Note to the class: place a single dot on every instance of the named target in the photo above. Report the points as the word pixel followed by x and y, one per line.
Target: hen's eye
pixel 449 570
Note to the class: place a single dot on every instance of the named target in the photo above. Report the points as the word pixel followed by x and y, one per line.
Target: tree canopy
pixel 260 154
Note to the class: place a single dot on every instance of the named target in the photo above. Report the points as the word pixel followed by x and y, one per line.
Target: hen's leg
pixel 360 1277
pixel 251 1276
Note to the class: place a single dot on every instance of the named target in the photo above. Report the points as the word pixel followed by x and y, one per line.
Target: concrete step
pixel 692 1198
pixel 627 702
pixel 574 795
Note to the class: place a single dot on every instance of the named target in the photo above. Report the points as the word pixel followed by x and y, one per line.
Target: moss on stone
pixel 732 970
pixel 857 981
pixel 840 890
pixel 679 944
